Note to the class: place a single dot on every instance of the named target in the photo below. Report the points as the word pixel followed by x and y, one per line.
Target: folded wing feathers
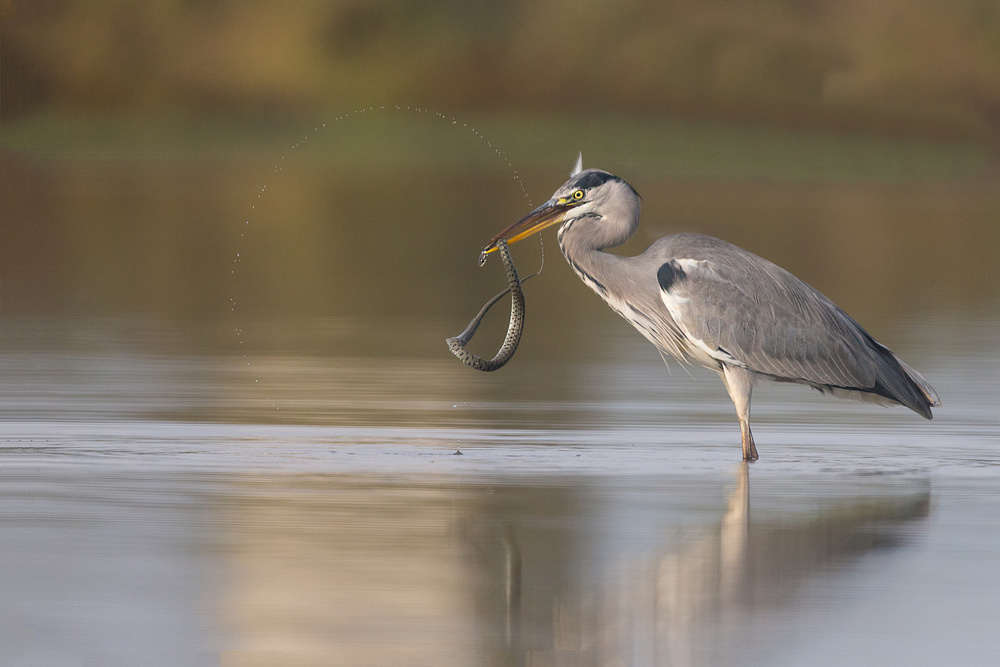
pixel 775 324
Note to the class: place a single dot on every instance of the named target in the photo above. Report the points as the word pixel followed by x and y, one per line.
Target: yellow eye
pixel 578 195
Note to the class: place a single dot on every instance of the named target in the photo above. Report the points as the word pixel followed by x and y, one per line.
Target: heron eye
pixel 578 195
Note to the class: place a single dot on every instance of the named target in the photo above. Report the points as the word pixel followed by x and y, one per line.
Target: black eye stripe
pixel 594 178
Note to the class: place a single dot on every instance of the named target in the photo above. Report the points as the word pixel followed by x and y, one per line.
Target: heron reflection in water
pixel 708 302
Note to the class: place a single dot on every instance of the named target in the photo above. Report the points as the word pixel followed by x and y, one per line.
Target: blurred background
pixel 219 218
pixel 168 159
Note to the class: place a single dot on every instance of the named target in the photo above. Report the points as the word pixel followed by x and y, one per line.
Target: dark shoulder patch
pixel 668 274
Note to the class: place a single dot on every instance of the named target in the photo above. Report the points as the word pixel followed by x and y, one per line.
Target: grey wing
pixel 739 308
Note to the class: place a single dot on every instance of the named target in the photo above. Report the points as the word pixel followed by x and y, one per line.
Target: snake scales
pixel 457 343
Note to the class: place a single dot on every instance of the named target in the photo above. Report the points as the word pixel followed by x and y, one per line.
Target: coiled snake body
pixel 457 344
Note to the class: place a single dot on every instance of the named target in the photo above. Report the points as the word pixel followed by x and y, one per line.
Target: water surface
pixel 164 507
pixel 230 428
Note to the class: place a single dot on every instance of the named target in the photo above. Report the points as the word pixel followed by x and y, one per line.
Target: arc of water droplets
pixel 279 167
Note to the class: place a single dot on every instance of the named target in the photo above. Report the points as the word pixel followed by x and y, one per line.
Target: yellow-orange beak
pixel 550 213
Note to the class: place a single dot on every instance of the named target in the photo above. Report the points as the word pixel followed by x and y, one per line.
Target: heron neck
pixel 598 269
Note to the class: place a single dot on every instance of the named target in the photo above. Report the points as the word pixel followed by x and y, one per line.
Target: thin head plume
pixel 578 167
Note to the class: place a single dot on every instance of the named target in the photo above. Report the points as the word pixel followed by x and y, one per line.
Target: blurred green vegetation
pixel 925 67
pixel 389 138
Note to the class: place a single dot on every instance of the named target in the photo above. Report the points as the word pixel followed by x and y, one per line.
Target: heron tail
pixel 933 400
pixel 897 380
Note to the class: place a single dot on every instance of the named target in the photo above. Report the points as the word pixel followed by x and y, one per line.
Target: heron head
pixel 589 193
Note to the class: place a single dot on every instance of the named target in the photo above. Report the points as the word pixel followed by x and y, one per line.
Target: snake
pixel 457 344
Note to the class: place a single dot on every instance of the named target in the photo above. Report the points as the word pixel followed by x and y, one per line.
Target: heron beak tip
pixel 550 213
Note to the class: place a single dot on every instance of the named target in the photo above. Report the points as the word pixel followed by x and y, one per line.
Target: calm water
pixel 165 507
pixel 229 424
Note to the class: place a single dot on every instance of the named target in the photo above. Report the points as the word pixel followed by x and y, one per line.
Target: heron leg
pixel 739 384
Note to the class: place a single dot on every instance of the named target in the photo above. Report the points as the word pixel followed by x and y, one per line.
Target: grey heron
pixel 708 302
